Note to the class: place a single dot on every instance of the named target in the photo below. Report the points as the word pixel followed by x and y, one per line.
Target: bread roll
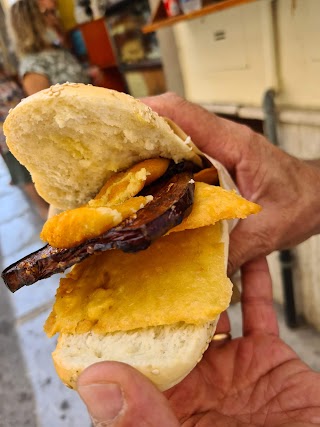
pixel 164 354
pixel 72 137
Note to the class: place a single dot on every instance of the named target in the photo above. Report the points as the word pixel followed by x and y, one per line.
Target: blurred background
pixel 253 61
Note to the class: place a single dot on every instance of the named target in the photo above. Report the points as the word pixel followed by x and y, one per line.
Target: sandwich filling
pixel 163 223
pixel 181 277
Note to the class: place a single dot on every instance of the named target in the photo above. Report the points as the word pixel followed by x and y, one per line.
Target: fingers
pixel 258 315
pixel 242 248
pixel 118 395
pixel 239 249
pixel 223 325
pixel 220 138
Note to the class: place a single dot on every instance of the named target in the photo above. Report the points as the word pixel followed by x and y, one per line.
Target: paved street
pixel 30 392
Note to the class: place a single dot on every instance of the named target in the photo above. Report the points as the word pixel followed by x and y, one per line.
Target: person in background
pixel 10 95
pixel 42 47
pixel 256 379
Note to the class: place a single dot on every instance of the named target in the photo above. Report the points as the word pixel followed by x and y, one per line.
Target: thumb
pixel 117 395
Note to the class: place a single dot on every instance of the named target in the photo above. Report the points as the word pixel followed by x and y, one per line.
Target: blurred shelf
pixel 160 20
pixel 142 65
pixel 116 7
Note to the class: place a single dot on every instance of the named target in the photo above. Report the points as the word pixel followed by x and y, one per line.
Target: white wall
pixel 224 55
pixel 263 46
pixel 299 52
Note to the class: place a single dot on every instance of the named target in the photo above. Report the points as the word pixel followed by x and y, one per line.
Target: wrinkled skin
pixel 256 380
pixel 284 186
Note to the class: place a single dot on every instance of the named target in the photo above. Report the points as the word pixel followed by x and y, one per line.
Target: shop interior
pixel 107 35
pixel 118 36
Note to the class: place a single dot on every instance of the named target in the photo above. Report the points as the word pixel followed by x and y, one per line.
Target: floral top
pixel 58 65
pixel 10 95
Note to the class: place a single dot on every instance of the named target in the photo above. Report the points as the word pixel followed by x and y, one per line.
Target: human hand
pixel 253 380
pixel 284 186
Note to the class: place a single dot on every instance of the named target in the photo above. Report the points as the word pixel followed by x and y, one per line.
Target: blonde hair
pixel 27 27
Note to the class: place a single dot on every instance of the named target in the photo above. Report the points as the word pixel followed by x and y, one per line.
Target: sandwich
pixel 140 229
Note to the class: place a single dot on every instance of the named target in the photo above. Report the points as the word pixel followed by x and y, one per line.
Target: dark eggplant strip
pixel 172 201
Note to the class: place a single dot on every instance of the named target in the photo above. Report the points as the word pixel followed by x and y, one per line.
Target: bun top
pixel 72 137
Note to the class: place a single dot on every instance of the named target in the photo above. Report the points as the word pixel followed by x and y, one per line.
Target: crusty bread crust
pixel 72 137
pixel 164 354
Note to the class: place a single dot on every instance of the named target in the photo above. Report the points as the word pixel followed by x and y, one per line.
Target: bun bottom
pixel 164 354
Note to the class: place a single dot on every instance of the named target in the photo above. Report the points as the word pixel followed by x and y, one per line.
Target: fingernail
pixel 104 401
